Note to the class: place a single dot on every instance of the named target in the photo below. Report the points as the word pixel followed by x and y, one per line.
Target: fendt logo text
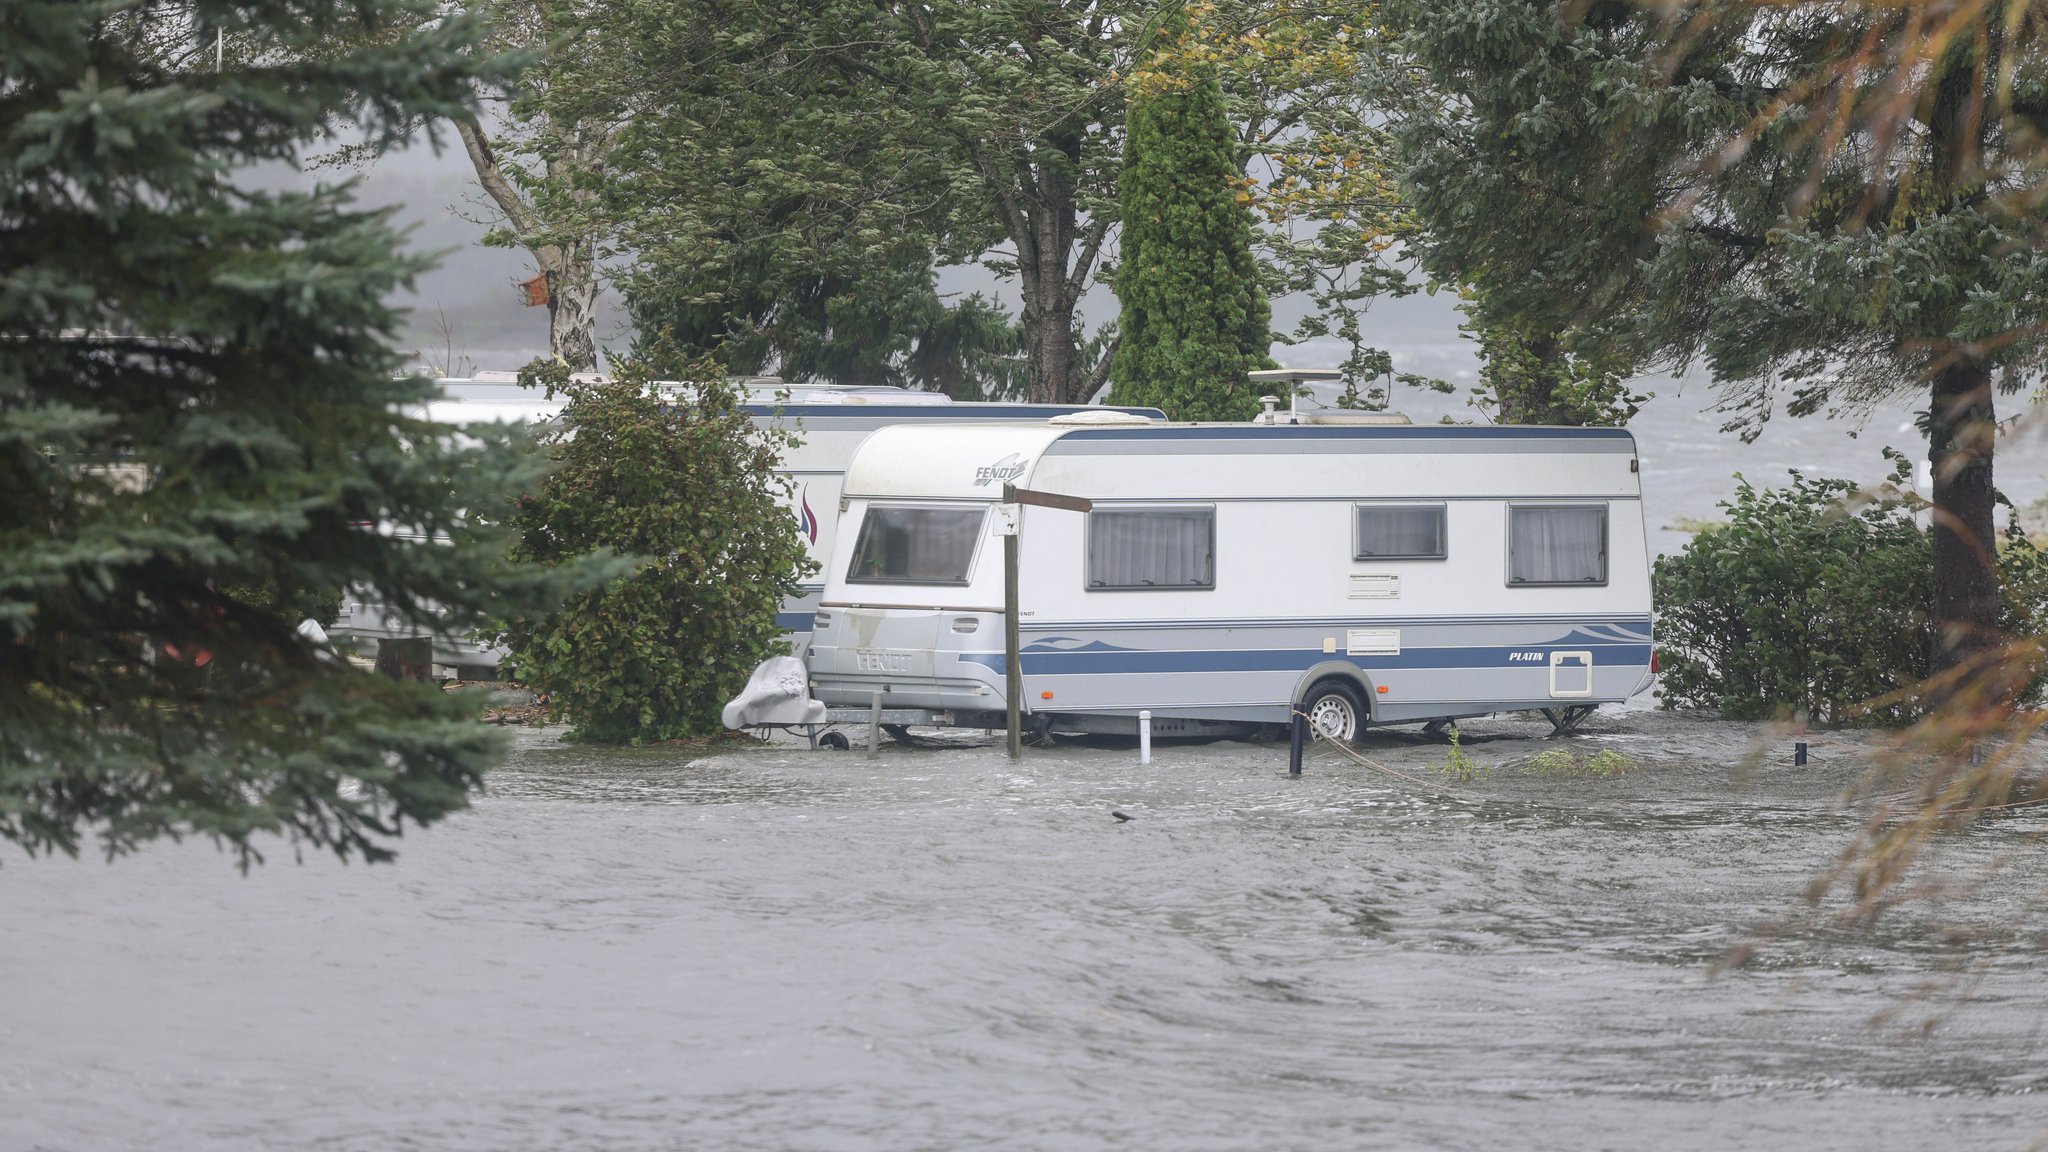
pixel 1001 472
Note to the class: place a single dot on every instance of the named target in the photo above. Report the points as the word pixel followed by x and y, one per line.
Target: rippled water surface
pixel 936 949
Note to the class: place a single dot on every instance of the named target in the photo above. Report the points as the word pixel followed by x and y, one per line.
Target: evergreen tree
pixel 202 430
pixel 1195 317
pixel 1842 201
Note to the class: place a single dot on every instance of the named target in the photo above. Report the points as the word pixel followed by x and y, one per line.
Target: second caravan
pixel 1229 574
pixel 830 421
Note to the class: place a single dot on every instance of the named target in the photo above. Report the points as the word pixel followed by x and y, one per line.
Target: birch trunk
pixel 570 270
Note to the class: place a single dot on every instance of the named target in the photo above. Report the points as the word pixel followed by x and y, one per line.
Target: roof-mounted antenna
pixel 1294 378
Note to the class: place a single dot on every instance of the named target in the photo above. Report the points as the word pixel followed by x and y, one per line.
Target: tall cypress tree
pixel 202 429
pixel 1195 318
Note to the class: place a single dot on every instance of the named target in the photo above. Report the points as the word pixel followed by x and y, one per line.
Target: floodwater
pixel 773 948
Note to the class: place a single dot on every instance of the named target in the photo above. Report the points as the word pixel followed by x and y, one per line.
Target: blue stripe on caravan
pixel 1350 432
pixel 793 621
pixel 1118 663
pixel 963 411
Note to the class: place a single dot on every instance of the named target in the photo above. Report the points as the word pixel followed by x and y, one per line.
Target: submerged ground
pixel 780 949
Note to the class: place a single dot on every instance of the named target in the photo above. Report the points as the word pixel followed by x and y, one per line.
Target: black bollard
pixel 1799 754
pixel 1297 735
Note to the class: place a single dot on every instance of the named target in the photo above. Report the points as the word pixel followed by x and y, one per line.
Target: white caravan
pixel 1367 573
pixel 831 422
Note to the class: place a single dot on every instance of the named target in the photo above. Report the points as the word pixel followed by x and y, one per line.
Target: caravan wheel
pixel 1335 710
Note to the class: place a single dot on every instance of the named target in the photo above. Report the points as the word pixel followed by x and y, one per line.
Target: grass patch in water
pixel 1459 765
pixel 1565 764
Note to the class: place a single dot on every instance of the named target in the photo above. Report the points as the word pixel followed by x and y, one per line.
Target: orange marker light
pixel 1045 695
pixel 1381 689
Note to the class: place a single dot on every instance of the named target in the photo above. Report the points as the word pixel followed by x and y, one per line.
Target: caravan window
pixel 915 546
pixel 1132 548
pixel 1398 532
pixel 1558 544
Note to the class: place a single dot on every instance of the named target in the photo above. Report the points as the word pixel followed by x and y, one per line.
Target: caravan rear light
pixel 966 624
pixel 821 621
pixel 1653 661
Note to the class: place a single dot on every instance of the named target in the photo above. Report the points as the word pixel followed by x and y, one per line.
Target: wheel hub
pixel 1332 718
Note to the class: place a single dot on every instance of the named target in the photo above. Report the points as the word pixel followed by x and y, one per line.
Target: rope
pixel 1317 735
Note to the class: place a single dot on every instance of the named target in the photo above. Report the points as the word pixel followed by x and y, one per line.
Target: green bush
pixel 1563 763
pixel 1459 764
pixel 1816 599
pixel 1798 605
pixel 690 489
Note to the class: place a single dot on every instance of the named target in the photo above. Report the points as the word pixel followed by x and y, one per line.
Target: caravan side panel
pixel 1451 631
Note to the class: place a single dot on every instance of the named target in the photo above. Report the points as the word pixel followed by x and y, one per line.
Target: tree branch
pixel 1728 236
pixel 1099 374
pixel 524 220
pixel 1091 247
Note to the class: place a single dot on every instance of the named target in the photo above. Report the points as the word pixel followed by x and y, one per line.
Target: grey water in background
pixel 937 949
pixel 1688 463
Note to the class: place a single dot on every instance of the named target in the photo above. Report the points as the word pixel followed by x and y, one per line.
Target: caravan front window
pixel 1557 544
pixel 1139 548
pixel 916 546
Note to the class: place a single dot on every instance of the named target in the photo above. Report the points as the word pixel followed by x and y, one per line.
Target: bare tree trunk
pixel 1960 444
pixel 570 269
pixel 1050 347
pixel 1044 235
pixel 1055 256
pixel 1961 432
pixel 572 305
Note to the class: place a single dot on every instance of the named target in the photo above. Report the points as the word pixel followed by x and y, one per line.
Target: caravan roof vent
pixel 1098 419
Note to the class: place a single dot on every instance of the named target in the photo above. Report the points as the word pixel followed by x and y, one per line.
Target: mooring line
pixel 1360 757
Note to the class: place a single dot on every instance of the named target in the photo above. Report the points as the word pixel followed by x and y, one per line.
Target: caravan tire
pixel 1335 710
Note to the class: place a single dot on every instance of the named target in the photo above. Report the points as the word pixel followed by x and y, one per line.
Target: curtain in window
pixel 1151 549
pixel 1394 532
pixel 1557 545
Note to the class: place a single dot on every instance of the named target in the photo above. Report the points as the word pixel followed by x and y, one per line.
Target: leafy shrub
pixel 687 485
pixel 1458 764
pixel 1563 762
pixel 1799 604
pixel 1816 599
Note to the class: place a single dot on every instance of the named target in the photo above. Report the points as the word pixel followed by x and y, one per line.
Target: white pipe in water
pixel 1144 737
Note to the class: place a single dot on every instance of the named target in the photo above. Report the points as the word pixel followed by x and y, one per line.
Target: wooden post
pixel 1013 671
pixel 1013 659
